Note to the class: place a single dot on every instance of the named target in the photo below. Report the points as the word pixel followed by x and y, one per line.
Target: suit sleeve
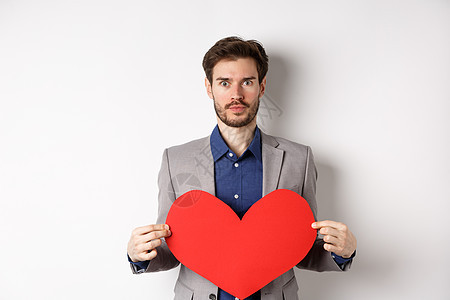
pixel 164 260
pixel 318 259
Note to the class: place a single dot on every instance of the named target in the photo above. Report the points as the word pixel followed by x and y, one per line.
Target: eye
pixel 224 83
pixel 247 82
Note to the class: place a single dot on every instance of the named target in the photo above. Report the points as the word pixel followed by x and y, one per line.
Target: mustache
pixel 236 103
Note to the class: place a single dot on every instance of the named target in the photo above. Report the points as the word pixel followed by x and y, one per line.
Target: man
pixel 239 164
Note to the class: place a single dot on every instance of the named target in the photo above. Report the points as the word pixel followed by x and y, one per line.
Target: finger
pixel 147 255
pixel 338 250
pixel 152 254
pixel 151 245
pixel 149 228
pixel 147 247
pixel 330 231
pixel 138 244
pixel 329 239
pixel 331 248
pixel 328 223
pixel 154 235
pixel 338 246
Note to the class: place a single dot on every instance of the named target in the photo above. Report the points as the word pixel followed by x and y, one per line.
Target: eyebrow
pixel 226 78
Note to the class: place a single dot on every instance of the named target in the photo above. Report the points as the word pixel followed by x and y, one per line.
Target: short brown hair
pixel 233 48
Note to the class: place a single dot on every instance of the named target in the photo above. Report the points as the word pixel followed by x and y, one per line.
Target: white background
pixel 91 92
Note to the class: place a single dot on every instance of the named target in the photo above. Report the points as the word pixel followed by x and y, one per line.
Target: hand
pixel 145 239
pixel 337 237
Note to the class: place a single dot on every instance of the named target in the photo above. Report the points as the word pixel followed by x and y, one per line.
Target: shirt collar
pixel 219 147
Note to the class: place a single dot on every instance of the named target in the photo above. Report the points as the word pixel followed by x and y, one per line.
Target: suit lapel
pixel 204 164
pixel 272 158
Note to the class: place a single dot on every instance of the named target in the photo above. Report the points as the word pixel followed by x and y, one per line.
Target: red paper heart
pixel 240 256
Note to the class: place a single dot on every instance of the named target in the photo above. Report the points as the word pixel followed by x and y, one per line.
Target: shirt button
pixel 230 154
pixel 212 297
pixel 236 196
pixel 236 165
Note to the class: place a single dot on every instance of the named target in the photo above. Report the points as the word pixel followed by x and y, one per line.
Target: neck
pixel 237 138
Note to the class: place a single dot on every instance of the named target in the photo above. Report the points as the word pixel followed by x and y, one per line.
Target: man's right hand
pixel 145 239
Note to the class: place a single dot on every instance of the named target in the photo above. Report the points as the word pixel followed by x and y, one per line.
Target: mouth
pixel 237 108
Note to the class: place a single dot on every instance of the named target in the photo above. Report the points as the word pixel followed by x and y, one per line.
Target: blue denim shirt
pixel 238 180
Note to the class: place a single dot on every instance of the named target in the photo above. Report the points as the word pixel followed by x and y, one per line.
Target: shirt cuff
pixel 140 265
pixel 341 261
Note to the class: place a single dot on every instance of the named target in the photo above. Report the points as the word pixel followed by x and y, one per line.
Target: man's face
pixel 236 91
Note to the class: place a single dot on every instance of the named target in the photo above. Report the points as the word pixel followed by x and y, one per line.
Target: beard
pixel 222 113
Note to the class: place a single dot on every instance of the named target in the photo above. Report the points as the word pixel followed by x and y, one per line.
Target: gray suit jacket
pixel 286 165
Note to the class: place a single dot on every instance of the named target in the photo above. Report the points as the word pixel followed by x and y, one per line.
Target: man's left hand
pixel 337 237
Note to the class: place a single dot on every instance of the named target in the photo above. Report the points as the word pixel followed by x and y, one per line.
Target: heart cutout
pixel 240 256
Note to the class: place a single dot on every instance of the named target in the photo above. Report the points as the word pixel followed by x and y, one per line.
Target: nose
pixel 236 93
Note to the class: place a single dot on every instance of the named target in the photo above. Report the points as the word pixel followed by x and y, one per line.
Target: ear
pixel 262 87
pixel 208 88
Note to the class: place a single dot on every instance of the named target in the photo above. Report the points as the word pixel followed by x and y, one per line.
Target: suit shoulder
pixel 294 153
pixel 287 145
pixel 187 149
